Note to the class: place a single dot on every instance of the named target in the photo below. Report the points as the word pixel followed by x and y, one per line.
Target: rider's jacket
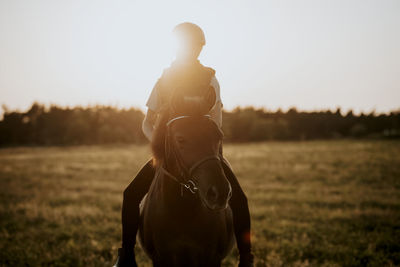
pixel 189 79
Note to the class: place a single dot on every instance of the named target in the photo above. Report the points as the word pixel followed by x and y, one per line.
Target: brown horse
pixel 185 218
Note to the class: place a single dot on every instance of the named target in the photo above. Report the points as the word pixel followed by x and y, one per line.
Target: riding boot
pixel 133 195
pixel 241 217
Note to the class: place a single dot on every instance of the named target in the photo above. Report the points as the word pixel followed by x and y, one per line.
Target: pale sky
pixel 318 54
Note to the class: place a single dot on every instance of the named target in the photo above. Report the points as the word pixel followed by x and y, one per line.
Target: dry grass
pixel 312 203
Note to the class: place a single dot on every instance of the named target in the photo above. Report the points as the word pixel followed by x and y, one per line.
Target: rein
pixel 191 183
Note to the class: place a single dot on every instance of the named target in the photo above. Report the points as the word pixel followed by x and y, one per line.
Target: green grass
pixel 333 203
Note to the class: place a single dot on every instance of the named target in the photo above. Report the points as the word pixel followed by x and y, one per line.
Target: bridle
pixel 186 179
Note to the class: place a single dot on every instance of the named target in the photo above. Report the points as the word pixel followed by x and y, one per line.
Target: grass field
pixel 320 203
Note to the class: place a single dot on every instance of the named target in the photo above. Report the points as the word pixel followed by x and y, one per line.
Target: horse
pixel 185 219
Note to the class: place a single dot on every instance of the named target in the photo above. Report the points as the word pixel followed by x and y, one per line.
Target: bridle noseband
pixel 191 183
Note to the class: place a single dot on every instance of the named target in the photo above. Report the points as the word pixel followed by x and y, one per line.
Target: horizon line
pixel 4 108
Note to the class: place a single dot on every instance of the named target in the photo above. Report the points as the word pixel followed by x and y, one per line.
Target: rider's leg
pixel 133 195
pixel 241 216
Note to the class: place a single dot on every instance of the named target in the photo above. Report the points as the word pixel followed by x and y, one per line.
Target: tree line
pixel 55 125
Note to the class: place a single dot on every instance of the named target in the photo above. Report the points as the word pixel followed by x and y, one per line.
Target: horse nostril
pixel 212 194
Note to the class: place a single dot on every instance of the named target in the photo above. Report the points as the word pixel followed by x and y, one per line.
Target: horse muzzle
pixel 217 199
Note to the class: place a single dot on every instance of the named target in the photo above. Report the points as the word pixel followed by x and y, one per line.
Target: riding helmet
pixel 190 33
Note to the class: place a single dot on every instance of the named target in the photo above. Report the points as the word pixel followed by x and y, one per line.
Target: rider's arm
pixel 153 106
pixel 216 113
pixel 148 123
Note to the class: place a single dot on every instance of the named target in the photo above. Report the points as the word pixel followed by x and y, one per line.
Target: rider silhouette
pixel 186 69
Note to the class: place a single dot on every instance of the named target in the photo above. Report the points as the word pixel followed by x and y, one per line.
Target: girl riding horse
pixel 185 77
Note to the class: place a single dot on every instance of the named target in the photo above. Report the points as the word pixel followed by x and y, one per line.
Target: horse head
pixel 190 143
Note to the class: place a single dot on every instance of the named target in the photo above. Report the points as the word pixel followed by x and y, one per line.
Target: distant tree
pixel 98 124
